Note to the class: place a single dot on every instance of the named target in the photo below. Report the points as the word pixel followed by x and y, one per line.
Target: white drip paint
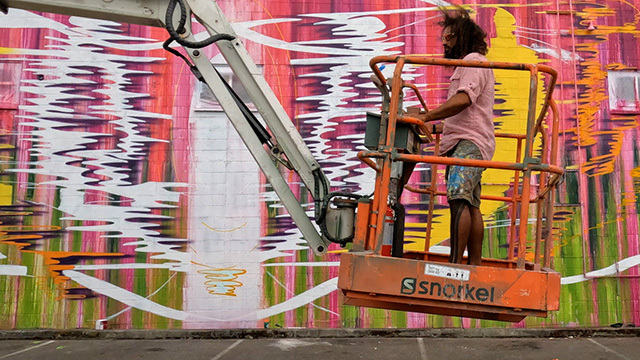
pixel 358 37
pixel 361 38
pixel 58 149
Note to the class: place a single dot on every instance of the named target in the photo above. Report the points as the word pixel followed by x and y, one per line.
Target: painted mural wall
pixel 127 200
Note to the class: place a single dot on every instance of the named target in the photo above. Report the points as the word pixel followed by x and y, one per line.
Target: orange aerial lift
pixel 501 289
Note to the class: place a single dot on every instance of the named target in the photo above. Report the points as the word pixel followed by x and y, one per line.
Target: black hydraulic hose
pixel 320 209
pixel 183 20
pixel 260 131
pixel 166 46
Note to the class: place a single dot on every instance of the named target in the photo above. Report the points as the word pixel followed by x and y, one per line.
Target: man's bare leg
pixel 476 235
pixel 460 229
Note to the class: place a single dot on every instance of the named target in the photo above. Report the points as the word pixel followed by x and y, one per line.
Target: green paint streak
pixel 31 179
pixel 300 286
pixel 55 213
pixel 320 316
pixel 495 243
pixel 575 304
pixel 281 295
pixel 607 298
pixel 30 301
pixel 140 287
pixel 398 319
pixel 8 284
pixel 571 187
pixel 594 221
pixel 268 285
pixel 435 321
pixel 5 294
pixel 176 295
pixel 276 294
pixel 90 310
pixel 377 318
pixel 158 278
pixel 350 316
pixel 113 306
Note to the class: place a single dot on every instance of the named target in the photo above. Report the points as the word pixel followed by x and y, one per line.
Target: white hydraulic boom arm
pixel 288 147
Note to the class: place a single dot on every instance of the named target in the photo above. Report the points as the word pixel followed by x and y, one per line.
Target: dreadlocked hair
pixel 470 36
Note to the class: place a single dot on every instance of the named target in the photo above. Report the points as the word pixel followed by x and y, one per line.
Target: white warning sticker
pixel 447 272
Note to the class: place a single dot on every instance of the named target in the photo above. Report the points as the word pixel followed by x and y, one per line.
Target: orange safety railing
pixel 525 166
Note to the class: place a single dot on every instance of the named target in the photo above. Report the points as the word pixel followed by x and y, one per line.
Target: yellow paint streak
pixel 28 228
pixel 15 213
pixel 230 230
pixel 560 219
pixel 513 88
pixel 602 224
pixel 618 66
pixel 501 6
pixel 6 192
pixel 339 251
pixel 8 51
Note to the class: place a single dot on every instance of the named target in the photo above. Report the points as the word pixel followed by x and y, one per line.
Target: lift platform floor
pixel 423 282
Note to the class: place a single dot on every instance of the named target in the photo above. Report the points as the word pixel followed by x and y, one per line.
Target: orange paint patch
pixel 594 75
pixel 52 260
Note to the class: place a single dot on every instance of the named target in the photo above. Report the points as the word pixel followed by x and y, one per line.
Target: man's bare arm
pixel 453 106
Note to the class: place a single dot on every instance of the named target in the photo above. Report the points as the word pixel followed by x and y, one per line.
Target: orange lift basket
pixel 421 281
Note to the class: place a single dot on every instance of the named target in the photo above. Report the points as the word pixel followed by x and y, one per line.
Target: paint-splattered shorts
pixel 463 182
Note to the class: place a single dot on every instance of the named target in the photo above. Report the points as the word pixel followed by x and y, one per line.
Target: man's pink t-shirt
pixel 475 123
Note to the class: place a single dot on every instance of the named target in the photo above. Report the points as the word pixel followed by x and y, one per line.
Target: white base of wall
pixel 223 286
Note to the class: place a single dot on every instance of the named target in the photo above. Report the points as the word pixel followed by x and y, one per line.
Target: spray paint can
pixel 387 231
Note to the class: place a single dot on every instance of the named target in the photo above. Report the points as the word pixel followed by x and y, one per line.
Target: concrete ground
pixel 327 349
pixel 315 344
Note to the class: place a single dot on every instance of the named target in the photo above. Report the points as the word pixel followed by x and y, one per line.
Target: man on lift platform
pixel 467 131
pixel 416 280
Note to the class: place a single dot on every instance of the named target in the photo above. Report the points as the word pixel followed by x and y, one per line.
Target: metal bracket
pixel 531 161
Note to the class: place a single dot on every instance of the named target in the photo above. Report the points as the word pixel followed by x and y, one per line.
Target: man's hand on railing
pixel 423 115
